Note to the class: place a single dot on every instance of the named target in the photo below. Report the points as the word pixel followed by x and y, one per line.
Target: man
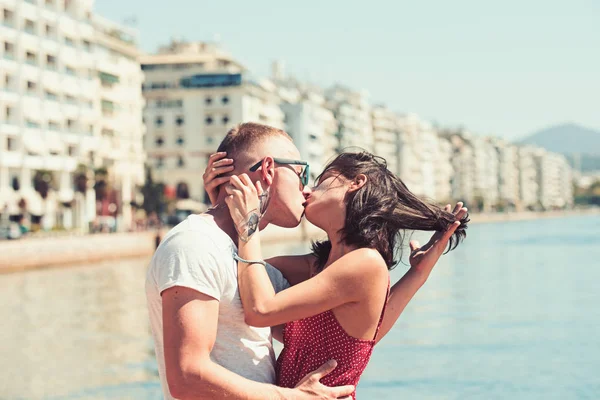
pixel 204 347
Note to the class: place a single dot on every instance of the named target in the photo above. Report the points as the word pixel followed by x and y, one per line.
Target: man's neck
pixel 222 218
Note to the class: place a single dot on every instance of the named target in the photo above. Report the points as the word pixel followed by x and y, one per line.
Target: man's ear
pixel 358 182
pixel 267 172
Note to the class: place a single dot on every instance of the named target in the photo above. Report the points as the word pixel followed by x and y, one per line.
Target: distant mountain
pixel 567 139
pixel 580 145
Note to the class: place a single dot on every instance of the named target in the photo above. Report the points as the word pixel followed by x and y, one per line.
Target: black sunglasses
pixel 304 175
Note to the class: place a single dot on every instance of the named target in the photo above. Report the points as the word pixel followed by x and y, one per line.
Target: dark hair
pixel 242 136
pixel 378 212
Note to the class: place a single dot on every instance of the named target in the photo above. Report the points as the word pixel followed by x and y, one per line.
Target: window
pixel 179 120
pixel 8 113
pixel 8 82
pixel 72 151
pixel 30 58
pixel 180 141
pixel 87 45
pixel 31 86
pixel 29 26
pixel 11 144
pixel 208 120
pixel 32 124
pixel 53 126
pixel 225 120
pixel 69 41
pixel 50 32
pixel 160 162
pixel 225 100
pixel 9 50
pixel 70 124
pixel 8 17
pixel 51 62
pixel 159 141
pixel 208 101
pixel 180 162
pixel 70 71
pixel 70 99
pixel 158 121
pixel 91 129
pixel 209 140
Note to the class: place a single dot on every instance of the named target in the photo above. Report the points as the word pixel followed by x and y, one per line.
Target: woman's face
pixel 325 206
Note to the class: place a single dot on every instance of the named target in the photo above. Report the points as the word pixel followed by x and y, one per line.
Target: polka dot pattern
pixel 310 342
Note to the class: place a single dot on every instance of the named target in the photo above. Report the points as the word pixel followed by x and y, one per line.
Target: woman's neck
pixel 338 249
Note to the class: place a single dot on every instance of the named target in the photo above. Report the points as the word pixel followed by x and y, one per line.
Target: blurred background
pixel 109 111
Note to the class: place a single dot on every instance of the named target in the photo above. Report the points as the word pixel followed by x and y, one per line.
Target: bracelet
pixel 238 258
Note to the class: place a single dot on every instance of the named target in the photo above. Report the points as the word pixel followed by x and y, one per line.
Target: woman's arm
pixel 347 280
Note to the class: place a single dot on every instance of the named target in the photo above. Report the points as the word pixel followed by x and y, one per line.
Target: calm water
pixel 511 314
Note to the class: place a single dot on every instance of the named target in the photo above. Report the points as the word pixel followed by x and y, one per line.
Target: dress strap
pixel 387 296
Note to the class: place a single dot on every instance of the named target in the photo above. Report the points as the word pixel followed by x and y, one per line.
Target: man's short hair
pixel 243 136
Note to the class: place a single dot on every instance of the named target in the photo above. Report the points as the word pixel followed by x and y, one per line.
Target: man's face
pixel 286 193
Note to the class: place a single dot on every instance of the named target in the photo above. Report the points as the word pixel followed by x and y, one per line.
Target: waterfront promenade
pixel 65 250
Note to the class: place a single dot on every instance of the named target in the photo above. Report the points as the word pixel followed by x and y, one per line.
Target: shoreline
pixel 63 251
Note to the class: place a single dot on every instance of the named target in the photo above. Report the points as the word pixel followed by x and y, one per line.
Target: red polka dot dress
pixel 310 342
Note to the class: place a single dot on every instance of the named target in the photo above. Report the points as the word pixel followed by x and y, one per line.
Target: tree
pixel 43 181
pixel 153 192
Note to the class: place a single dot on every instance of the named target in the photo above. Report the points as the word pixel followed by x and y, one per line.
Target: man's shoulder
pixel 198 230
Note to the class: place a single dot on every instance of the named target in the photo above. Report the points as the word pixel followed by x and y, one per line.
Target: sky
pixel 501 68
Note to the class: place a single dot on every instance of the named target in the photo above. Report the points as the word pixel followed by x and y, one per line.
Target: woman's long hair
pixel 378 213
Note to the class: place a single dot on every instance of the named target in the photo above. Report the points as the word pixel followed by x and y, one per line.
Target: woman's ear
pixel 358 182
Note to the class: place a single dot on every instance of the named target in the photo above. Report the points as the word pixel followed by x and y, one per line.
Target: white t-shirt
pixel 197 254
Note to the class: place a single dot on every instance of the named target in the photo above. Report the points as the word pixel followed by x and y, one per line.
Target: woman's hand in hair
pixel 217 165
pixel 423 259
pixel 243 202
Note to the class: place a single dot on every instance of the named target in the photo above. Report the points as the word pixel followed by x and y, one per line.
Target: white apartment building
pixel 508 174
pixel 69 95
pixel 554 180
pixel 444 171
pixel 310 124
pixel 353 113
pixel 418 158
pixel 463 163
pixel 528 179
pixel 386 136
pixel 486 171
pixel 196 92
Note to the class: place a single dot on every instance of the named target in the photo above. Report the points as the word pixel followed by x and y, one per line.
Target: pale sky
pixel 502 68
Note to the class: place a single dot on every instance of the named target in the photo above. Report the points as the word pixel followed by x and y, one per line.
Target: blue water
pixel 513 313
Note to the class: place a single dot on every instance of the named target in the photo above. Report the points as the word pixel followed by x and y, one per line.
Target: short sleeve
pixel 277 279
pixel 189 259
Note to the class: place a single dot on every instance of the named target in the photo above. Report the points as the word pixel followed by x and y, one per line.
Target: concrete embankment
pixel 30 253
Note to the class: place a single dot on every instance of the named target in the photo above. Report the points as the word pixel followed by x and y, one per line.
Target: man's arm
pixel 295 269
pixel 190 372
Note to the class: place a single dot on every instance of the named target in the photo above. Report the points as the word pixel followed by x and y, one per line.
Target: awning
pixel 108 78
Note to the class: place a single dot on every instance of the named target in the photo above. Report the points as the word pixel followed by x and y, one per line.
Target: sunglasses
pixel 304 175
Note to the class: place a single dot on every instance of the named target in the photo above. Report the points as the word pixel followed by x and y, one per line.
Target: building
pixel 508 175
pixel 386 136
pixel 554 180
pixel 528 179
pixel 70 99
pixel 463 164
pixel 353 114
pixel 486 173
pixel 196 92
pixel 309 123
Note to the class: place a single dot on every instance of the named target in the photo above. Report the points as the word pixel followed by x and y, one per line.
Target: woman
pixel 336 311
